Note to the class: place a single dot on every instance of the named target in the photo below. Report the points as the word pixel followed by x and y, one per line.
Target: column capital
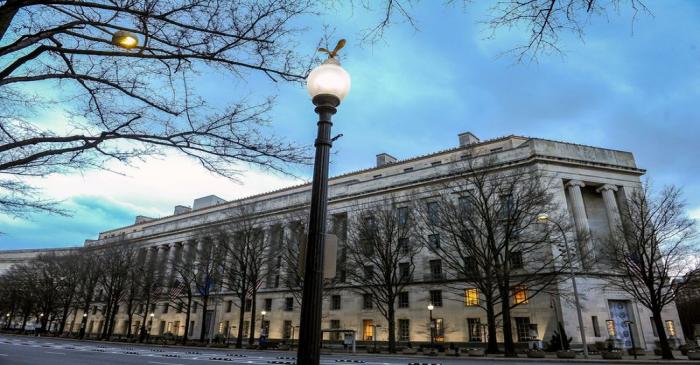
pixel 606 187
pixel 578 183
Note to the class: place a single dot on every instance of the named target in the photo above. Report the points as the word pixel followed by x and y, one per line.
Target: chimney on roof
pixel 207 201
pixel 142 219
pixel 467 138
pixel 180 209
pixel 385 159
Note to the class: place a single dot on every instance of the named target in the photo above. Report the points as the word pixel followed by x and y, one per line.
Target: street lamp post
pixel 544 218
pixel 432 328
pixel 327 84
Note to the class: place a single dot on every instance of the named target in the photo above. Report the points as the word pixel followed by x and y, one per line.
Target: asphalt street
pixel 18 350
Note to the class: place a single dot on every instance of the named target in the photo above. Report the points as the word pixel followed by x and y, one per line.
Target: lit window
pixel 368 329
pixel 670 328
pixel 610 324
pixel 471 297
pixel 520 296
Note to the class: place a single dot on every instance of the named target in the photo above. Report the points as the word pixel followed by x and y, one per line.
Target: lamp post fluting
pixel 544 218
pixel 327 84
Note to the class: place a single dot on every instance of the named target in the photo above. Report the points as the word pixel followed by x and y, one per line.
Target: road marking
pixel 4 355
pixel 164 363
pixel 57 353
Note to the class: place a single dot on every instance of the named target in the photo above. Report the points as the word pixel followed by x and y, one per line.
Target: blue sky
pixel 628 86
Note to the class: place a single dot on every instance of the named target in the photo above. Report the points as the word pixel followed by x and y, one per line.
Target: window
pixel 403 246
pixel 179 307
pixel 248 305
pixel 405 271
pixel 471 268
pixel 289 304
pixel 367 301
pixel 436 269
pixel 287 330
pixel 369 272
pixel 474 329
pixel 404 330
pixel 506 208
pixel 268 304
pixel 432 213
pixel 520 296
pixel 194 308
pixel 335 324
pixel 436 298
pixel 161 328
pixel 153 307
pixel 439 330
pixel 377 176
pixel 465 205
pixel 522 327
pixel 670 328
pixel 408 169
pixel 165 307
pixel 229 306
pixel 176 328
pixel 403 299
pixel 367 330
pixel 435 163
pixel 94 310
pixel 434 240
pixel 596 326
pixel 516 260
pixel 335 302
pixel 402 214
pixel 246 329
pixel 653 327
pixel 471 297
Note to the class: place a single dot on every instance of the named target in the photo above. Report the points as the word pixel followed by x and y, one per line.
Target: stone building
pixel 591 183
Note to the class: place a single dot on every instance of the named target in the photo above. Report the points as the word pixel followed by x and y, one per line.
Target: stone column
pixel 583 230
pixel 613 213
pixel 161 259
pixel 168 265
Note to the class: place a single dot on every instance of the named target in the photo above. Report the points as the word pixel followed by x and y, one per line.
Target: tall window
pixel 179 307
pixel 653 327
pixel 596 326
pixel 229 306
pixel 520 296
pixel 432 213
pixel 403 246
pixel 436 298
pixel 403 299
pixel 471 297
pixel 465 205
pixel 507 206
pixel 474 329
pixel 434 240
pixel 335 302
pixel 516 260
pixel 166 307
pixel 367 301
pixel 404 330
pixel 367 330
pixel 246 329
pixel 268 304
pixel 191 329
pixel 248 305
pixel 402 214
pixel 194 307
pixel 522 327
pixel 287 330
pixel 436 269
pixel 289 304
pixel 405 271
pixel 471 267
pixel 335 324
pixel 439 330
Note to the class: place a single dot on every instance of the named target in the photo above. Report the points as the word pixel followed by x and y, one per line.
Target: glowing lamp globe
pixel 125 39
pixel 430 307
pixel 328 79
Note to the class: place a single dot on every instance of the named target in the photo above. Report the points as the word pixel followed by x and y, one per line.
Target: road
pixel 17 350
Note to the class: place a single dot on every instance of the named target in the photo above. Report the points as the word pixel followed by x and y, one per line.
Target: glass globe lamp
pixel 125 39
pixel 328 79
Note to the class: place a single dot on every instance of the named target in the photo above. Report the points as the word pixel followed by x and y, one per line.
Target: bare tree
pixel 652 246
pixel 490 221
pixel 120 104
pixel 382 256
pixel 88 274
pixel 114 262
pixel 543 20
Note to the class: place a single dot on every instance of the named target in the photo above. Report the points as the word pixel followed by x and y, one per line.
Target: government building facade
pixel 590 184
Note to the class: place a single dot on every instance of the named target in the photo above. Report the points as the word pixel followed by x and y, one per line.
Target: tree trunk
pixel 64 319
pixel 663 340
pixel 492 344
pixel 241 317
pixel 24 321
pixel 508 345
pixel 187 320
pixel 391 328
pixel 202 332
pixel 251 339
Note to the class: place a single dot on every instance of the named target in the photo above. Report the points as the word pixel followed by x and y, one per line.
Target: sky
pixel 631 85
